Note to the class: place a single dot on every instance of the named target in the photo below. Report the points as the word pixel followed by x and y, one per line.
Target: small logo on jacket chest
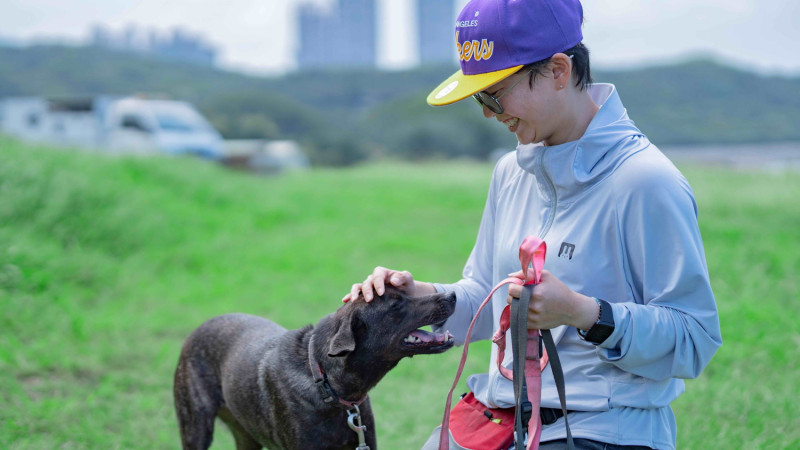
pixel 566 250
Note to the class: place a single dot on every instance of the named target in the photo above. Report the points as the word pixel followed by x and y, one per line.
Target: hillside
pixel 345 116
pixel 108 263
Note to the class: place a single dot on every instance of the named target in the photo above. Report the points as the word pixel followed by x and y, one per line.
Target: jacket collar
pixel 570 168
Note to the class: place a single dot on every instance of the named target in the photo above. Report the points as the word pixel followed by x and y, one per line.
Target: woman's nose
pixel 488 113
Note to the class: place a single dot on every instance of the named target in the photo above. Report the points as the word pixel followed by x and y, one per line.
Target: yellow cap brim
pixel 459 86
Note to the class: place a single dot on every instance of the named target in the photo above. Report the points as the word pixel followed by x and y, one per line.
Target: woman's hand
pixel 553 304
pixel 376 284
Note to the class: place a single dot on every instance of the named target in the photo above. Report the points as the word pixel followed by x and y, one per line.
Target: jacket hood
pixel 572 167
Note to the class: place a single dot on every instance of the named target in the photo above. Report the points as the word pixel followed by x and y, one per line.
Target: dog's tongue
pixel 425 336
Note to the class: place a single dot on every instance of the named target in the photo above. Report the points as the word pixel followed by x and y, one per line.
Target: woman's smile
pixel 511 123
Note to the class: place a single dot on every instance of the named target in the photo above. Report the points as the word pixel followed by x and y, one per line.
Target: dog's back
pixel 199 378
pixel 215 337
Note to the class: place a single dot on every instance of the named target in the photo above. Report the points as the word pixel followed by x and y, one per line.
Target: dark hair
pixel 580 66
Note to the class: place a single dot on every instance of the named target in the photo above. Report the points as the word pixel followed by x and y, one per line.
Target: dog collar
pixel 321 381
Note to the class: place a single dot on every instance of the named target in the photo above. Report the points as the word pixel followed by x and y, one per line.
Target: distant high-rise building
pixel 185 47
pixel 313 24
pixel 436 25
pixel 179 45
pixel 358 24
pixel 343 36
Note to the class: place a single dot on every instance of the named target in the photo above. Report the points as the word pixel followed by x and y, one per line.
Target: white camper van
pixel 169 126
pixel 119 125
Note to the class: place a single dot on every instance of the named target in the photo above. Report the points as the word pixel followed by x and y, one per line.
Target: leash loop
pixel 354 415
pixel 531 254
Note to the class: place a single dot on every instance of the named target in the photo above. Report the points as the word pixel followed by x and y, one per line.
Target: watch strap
pixel 582 333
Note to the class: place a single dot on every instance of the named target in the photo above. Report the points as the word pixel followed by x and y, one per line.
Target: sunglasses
pixel 484 99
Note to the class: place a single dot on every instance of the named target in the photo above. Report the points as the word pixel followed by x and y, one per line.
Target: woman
pixel 626 289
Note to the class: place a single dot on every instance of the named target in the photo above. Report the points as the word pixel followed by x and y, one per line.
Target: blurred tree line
pixel 342 117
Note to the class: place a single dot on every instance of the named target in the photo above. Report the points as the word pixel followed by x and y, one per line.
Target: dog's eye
pixel 397 298
pixel 397 307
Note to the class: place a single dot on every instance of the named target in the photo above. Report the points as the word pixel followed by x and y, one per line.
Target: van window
pixel 178 117
pixel 174 123
pixel 134 123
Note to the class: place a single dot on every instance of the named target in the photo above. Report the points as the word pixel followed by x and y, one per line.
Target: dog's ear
pixel 344 341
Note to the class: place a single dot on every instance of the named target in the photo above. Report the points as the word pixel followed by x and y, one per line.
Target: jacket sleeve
pixel 476 281
pixel 672 328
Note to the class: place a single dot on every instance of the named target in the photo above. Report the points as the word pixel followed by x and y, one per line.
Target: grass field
pixel 106 264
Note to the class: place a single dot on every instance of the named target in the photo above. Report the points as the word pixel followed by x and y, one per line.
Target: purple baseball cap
pixel 495 38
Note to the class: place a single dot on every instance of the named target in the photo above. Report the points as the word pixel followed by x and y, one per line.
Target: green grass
pixel 106 264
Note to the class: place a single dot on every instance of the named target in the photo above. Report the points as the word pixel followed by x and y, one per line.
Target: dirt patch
pixel 56 382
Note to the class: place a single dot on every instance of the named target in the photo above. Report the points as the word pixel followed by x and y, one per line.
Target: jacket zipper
pixel 551 188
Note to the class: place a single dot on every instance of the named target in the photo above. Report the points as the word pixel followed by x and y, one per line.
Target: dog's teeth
pixel 411 339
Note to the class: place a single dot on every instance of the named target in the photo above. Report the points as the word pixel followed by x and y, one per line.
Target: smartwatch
pixel 604 326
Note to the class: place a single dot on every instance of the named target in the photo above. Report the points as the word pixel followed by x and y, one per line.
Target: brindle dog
pixel 257 377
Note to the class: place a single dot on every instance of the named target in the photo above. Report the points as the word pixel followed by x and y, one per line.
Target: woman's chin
pixel 525 139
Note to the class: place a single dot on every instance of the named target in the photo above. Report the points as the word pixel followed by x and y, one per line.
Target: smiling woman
pixel 585 178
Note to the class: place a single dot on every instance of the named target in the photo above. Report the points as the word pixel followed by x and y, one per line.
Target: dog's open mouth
pixel 425 339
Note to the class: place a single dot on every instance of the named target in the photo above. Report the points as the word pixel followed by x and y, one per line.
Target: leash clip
pixel 354 415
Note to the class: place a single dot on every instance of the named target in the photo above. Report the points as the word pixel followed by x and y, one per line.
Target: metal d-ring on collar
pixel 329 395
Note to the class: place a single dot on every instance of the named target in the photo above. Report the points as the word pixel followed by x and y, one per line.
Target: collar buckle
pixel 325 389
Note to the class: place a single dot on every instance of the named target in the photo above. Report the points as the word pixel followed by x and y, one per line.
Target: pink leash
pixel 531 252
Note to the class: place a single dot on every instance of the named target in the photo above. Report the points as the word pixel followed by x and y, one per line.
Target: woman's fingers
pixel 375 283
pixel 379 276
pixel 517 274
pixel 355 292
pixel 401 279
pixel 522 276
pixel 366 289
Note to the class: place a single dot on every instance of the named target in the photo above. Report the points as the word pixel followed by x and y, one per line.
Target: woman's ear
pixel 561 65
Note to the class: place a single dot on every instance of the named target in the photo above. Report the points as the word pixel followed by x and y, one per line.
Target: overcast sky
pixel 259 36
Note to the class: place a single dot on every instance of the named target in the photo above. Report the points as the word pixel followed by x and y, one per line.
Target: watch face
pixel 601 330
pixel 599 333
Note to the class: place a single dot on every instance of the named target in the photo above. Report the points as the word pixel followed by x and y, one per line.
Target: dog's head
pixel 389 327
